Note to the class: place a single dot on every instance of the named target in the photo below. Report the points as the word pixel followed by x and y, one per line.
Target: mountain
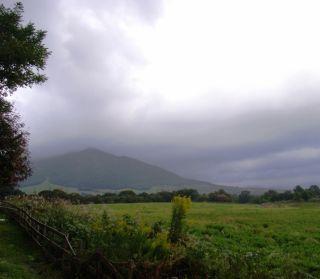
pixel 92 170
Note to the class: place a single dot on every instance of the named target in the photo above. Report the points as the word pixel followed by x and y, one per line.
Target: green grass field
pixel 277 236
pixel 19 257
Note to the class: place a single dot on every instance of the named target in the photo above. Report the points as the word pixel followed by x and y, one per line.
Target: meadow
pixel 218 240
pixel 278 240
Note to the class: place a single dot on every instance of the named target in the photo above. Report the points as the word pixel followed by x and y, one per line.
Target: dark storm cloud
pixel 91 99
pixel 87 70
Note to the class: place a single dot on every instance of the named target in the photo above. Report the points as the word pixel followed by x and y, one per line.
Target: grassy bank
pixel 19 257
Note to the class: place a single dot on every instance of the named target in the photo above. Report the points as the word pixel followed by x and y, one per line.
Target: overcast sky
pixel 223 91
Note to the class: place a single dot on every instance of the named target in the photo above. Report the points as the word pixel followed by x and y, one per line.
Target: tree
pixel 163 196
pixel 314 191
pixel 127 196
pixel 219 196
pixel 286 195
pixel 244 197
pixel 144 197
pixel 271 196
pixel 22 57
pixel 22 52
pixel 14 162
pixel 300 194
pixel 192 193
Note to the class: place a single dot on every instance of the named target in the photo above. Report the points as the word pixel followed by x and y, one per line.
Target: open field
pixel 278 240
pixel 275 237
pixel 19 257
pixel 201 215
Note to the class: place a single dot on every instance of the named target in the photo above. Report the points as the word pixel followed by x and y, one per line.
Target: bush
pixel 120 238
pixel 180 205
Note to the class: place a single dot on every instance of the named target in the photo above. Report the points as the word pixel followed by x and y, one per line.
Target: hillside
pixel 92 170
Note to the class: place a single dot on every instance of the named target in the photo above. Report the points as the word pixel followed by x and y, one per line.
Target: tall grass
pixel 218 241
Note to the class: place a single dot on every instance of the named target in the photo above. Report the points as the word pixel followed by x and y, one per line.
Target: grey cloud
pixel 90 100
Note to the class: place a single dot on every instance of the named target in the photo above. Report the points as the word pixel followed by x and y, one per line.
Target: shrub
pixel 120 238
pixel 180 205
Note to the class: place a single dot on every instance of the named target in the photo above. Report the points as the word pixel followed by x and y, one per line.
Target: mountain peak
pixel 96 169
pixel 91 149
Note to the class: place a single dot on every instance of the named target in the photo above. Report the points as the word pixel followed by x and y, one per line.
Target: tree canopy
pixel 22 52
pixel 14 163
pixel 22 57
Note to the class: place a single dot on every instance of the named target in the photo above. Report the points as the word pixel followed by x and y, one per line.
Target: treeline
pixel 298 194
pixel 127 196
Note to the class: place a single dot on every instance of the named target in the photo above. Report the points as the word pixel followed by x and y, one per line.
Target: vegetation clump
pixel 120 238
pixel 279 240
pixel 179 210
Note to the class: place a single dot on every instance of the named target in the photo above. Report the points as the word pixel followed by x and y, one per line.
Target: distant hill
pixel 92 170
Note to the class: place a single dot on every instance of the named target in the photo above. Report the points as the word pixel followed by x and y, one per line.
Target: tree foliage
pixel 244 197
pixel 14 163
pixel 22 52
pixel 219 196
pixel 22 57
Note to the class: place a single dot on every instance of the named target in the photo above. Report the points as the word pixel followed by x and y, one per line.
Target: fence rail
pixel 44 235
pixel 58 247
